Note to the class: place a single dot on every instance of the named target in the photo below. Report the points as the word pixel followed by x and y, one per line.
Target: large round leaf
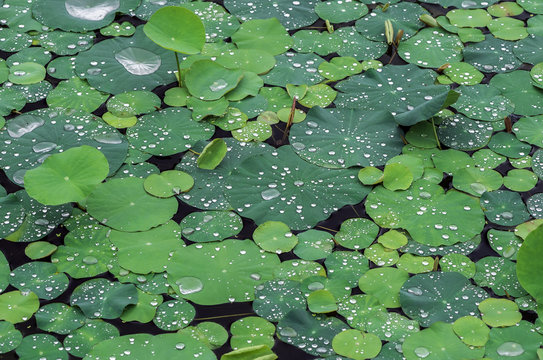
pixel 408 92
pixel 124 64
pixel 67 176
pixel 431 47
pixel 176 28
pixel 124 205
pixel 336 138
pixel 233 269
pixel 300 194
pixel 167 132
pixel 40 133
pixel 430 215
pixel 443 296
pixel 528 267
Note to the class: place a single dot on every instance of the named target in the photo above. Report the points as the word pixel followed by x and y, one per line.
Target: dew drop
pixel 510 349
pixel 269 194
pixel 189 285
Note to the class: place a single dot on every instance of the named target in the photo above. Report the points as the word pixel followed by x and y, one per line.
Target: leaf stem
pixel 194 152
pixel 325 228
pixel 435 133
pixel 290 117
pixel 178 69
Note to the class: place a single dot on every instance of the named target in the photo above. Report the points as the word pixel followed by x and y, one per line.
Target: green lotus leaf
pixel 133 103
pixel 252 60
pixel 516 86
pixel 370 175
pixel 451 161
pixel 439 296
pixel 176 126
pixel 174 315
pixel 62 67
pixel 147 346
pixel 77 16
pixel 11 100
pixel 134 209
pixel 337 11
pixel 520 180
pixel 346 266
pixel 504 9
pixel 403 16
pixel 18 14
pixel 76 94
pixel 314 41
pixel 529 49
pixel 67 176
pixel 218 23
pixel 80 341
pixel 245 268
pixel 26 73
pixel 504 207
pixel 315 143
pixel 254 198
pixel 4 272
pixel 86 252
pixel 275 298
pixel 507 28
pixel 48 285
pixel 101 298
pixel 483 102
pixel 66 43
pixel 415 264
pixel 251 352
pixel 469 18
pixel 116 29
pixel 308 332
pixel 458 263
pixel 411 95
pixel 356 344
pixel 291 15
pixel 274 236
pixel 126 63
pixel 209 184
pixel 373 280
pixel 438 342
pixel 145 310
pixel 296 69
pixel 168 183
pixel 212 154
pixel 14 40
pixel 505 243
pixel 472 330
pixel 499 274
pixel 357 233
pixel 431 47
pixel 208 80
pixel 253 131
pixel 203 108
pixel 492 55
pixel 359 309
pixel 476 181
pixel 463 248
pixel 10 338
pixel 163 27
pixel 355 45
pixel 209 333
pixel 147 251
pixel 208 226
pixel 520 342
pixel 13 212
pixel 251 330
pixel 18 306
pixel 37 346
pixel 59 318
pixel 527 265
pixel 500 312
pixel 406 209
pixel 233 119
pixel 268 35
pixel 392 239
pixel 313 245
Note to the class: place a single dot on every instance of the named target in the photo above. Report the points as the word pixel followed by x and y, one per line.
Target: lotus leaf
pixel 520 341
pixel 431 47
pixel 499 274
pixel 41 346
pixel 373 280
pixel 18 306
pixel 208 226
pixel 245 268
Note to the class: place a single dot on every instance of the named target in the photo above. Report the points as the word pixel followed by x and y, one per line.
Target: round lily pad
pixel 431 47
pixel 291 15
pixel 80 341
pixel 177 130
pixel 384 284
pixel 133 103
pixel 49 284
pixel 163 27
pixel 517 87
pixel 498 274
pixel 499 312
pixel 135 210
pixel 519 342
pixel 254 198
pixel 274 236
pixel 337 11
pixel 146 251
pixel 41 346
pixel 67 176
pixel 208 226
pixel 520 180
pixel 18 306
pixel 251 330
pixel 527 266
pixel 483 102
pixel 357 233
pixel 168 183
pixel 313 245
pixel 477 181
pixel 438 342
pixel 174 315
pixel 507 28
pixel 356 344
pixel 10 338
pixel 242 268
pixel 268 35
pixel 471 330
pixel 101 298
pixel 212 154
pixel 59 318
pixel 26 73
pixel 336 138
pixel 126 63
pixel 439 296
pixel 458 263
pixel 504 207
pixel 275 298
pixel 207 80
